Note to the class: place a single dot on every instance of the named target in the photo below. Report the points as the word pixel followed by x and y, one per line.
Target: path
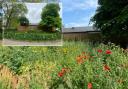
pixel 8 42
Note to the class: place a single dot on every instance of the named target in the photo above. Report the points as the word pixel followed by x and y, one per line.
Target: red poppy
pixel 89 85
pixel 108 52
pixel 60 74
pixel 106 68
pixel 99 50
pixel 63 70
pixel 79 60
pixel 83 52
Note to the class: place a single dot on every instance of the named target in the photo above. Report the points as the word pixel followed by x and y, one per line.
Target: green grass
pixel 42 65
pixel 32 36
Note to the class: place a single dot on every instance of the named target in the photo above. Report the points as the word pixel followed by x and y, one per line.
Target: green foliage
pixel 112 19
pixel 43 64
pixel 32 35
pixel 13 13
pixel 23 21
pixel 50 18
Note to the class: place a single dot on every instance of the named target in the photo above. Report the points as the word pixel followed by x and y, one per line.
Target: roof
pixel 78 29
pixel 33 24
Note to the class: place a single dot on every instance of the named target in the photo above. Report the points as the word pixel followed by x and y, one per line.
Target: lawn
pixel 76 65
pixel 32 35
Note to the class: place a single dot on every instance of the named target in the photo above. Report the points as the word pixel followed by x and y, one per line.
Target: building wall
pixel 26 28
pixel 82 36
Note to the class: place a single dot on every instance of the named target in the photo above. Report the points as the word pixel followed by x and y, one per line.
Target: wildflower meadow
pixel 76 65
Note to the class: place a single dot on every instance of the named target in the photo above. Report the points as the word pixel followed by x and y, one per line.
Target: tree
pixel 1 18
pixel 50 18
pixel 37 1
pixel 12 11
pixel 112 19
pixel 33 1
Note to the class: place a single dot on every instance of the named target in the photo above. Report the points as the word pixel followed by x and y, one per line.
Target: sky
pixel 75 13
pixel 34 12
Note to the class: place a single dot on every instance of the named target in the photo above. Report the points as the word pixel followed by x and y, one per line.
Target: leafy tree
pixel 50 18
pixel 37 1
pixel 33 1
pixel 1 21
pixel 12 11
pixel 112 19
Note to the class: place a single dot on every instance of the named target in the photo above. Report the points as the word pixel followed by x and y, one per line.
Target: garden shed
pixel 81 33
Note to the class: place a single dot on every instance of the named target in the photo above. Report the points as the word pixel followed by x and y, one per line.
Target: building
pixel 81 33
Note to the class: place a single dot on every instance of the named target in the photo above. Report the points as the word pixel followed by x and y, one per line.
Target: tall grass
pixel 82 63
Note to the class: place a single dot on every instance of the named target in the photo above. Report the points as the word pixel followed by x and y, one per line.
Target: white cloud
pixel 79 5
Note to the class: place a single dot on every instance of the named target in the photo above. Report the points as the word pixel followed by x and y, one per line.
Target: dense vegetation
pixel 24 21
pixel 76 65
pixel 112 19
pixel 32 35
pixel 12 11
pixel 51 18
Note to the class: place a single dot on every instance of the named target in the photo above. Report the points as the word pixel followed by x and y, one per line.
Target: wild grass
pixel 76 65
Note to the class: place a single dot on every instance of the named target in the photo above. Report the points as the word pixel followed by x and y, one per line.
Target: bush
pixel 23 21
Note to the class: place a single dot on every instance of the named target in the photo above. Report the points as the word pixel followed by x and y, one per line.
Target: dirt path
pixel 8 42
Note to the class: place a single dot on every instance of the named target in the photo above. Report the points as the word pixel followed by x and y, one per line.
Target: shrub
pixel 23 21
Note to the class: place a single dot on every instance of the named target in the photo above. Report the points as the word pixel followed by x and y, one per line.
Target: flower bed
pixel 76 65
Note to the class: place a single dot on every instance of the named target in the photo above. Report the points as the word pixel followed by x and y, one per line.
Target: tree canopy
pixel 50 17
pixel 12 11
pixel 112 19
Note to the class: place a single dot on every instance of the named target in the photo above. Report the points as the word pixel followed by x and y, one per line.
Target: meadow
pixel 76 65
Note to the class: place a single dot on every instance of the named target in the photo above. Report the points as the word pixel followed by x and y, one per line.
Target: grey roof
pixel 33 24
pixel 78 29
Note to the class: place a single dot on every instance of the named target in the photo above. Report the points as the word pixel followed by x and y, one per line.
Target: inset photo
pixel 32 24
pixel 1 24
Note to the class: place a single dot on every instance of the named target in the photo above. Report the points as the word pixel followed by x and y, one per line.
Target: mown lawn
pixel 76 65
pixel 32 35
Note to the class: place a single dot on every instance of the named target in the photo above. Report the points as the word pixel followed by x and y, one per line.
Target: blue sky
pixel 77 13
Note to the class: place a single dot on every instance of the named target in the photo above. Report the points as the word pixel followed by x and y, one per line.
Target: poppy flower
pixel 106 68
pixel 99 51
pixel 83 52
pixel 63 70
pixel 108 52
pixel 79 60
pixel 60 74
pixel 89 85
